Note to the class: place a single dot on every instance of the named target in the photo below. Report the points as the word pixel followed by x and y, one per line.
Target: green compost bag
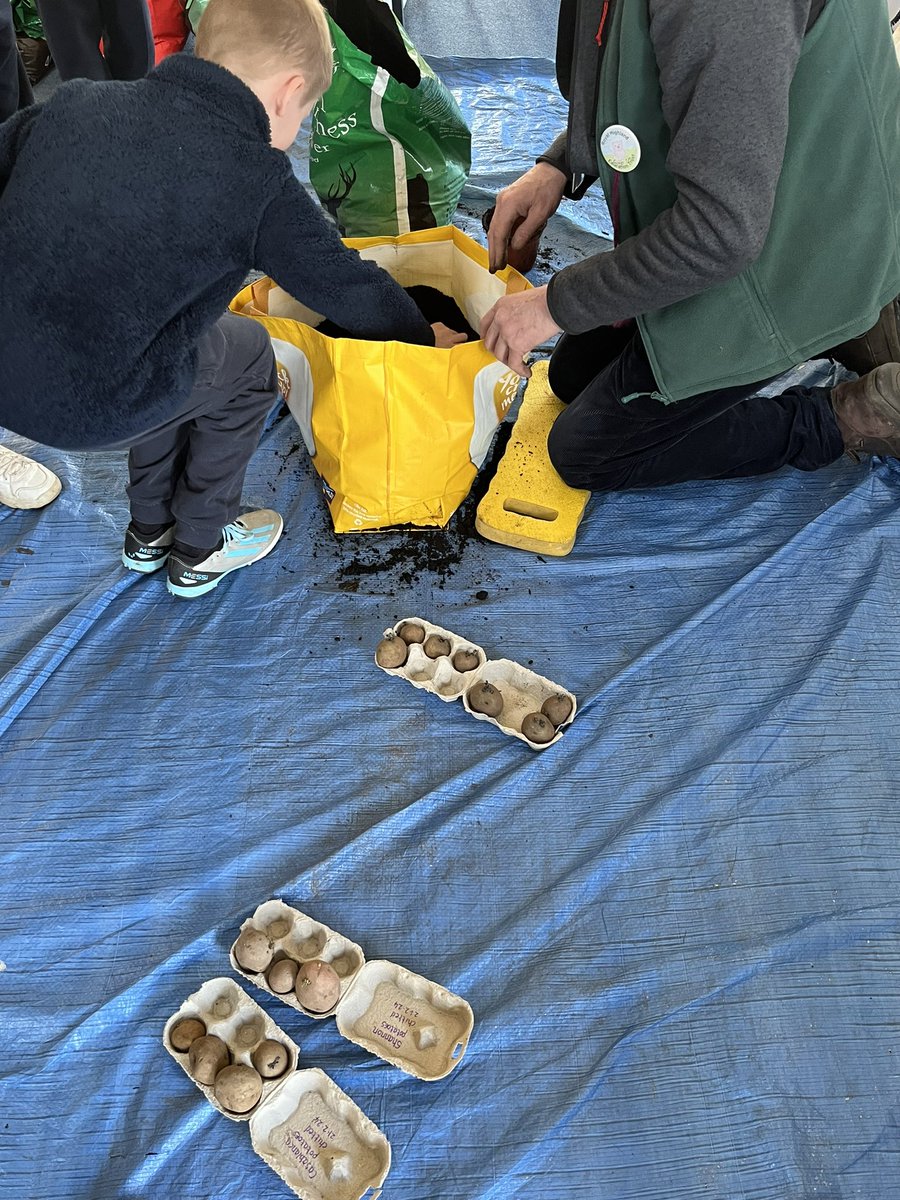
pixel 26 19
pixel 194 10
pixel 385 157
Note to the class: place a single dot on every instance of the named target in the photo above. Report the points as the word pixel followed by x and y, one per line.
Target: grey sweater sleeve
pixel 726 71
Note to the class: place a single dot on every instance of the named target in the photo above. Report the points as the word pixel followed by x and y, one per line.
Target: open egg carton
pixel 308 1131
pixel 399 1016
pixel 524 692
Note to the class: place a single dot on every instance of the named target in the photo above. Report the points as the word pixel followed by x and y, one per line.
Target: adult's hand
pixel 522 210
pixel 515 325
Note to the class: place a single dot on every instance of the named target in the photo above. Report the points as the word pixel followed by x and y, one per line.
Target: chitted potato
pixel 538 728
pixel 318 986
pixel 185 1032
pixel 466 660
pixel 238 1088
pixel 485 698
pixel 282 976
pixel 557 708
pixel 411 633
pixel 253 951
pixel 208 1056
pixel 271 1059
pixel 391 652
pixel 436 646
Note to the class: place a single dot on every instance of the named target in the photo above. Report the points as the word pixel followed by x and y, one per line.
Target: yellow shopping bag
pixel 396 432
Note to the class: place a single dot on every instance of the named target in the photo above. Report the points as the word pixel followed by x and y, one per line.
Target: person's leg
pixel 578 358
pixel 73 29
pixel 603 443
pixel 127 38
pixel 186 478
pixel 15 90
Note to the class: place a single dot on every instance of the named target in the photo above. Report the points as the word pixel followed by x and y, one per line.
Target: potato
pixel 184 1032
pixel 557 709
pixel 538 728
pixel 391 652
pixel 282 975
pixel 466 660
pixel 485 698
pixel 238 1088
pixel 253 951
pixel 271 1059
pixel 207 1057
pixel 411 633
pixel 318 986
pixel 436 646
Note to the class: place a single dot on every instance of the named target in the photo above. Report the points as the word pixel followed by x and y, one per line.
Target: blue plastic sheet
pixel 677 928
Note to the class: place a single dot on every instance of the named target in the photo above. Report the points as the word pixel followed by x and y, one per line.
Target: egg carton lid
pixel 304 1127
pixel 401 1017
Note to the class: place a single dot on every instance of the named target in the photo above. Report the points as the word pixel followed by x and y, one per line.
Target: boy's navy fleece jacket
pixel 130 215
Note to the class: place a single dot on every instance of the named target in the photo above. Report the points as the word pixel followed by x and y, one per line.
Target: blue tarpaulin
pixel 677 928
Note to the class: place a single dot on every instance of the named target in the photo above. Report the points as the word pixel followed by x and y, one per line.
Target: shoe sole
pixel 144 568
pixel 204 588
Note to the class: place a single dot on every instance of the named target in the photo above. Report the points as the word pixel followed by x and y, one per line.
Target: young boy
pixel 149 202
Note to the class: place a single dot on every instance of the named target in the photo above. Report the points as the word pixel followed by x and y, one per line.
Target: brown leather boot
pixel 867 411
pixel 880 345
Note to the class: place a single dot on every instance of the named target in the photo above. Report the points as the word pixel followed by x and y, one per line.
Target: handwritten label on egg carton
pixel 309 1132
pixel 523 690
pixel 403 1018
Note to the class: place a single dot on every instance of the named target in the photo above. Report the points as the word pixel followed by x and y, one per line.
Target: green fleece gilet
pixel 831 260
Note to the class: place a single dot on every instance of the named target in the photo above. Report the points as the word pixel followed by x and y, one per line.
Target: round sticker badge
pixel 620 148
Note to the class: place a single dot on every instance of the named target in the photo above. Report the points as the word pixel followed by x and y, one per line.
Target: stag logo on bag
pixel 284 381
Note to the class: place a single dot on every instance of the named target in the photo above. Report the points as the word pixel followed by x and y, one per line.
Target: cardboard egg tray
pixel 523 691
pixel 308 1131
pixel 398 1016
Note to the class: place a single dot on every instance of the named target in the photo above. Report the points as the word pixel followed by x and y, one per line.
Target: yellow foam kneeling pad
pixel 527 505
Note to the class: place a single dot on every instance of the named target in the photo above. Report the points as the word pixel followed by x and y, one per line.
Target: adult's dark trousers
pixel 74 29
pixel 15 90
pixel 604 442
pixel 191 470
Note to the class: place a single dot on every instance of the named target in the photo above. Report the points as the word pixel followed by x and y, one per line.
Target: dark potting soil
pixel 434 306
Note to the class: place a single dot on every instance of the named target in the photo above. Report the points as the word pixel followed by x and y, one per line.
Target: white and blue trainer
pixel 146 555
pixel 247 540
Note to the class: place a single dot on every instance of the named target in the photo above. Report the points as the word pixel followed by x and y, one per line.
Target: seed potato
pixel 185 1032
pixel 485 698
pixel 208 1056
pixel 466 660
pixel 538 728
pixel 557 709
pixel 318 987
pixel 282 976
pixel 238 1088
pixel 253 950
pixel 391 652
pixel 271 1059
pixel 411 633
pixel 436 646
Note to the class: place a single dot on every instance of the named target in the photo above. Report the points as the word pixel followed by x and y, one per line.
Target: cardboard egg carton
pixel 523 690
pixel 399 1016
pixel 309 1132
